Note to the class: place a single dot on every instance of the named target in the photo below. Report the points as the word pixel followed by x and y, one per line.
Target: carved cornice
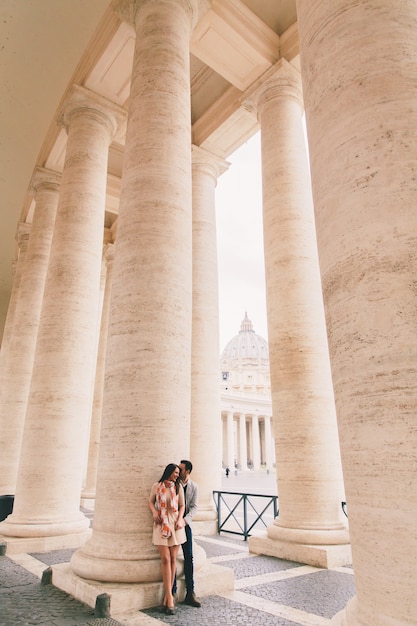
pixel 105 31
pixel 233 99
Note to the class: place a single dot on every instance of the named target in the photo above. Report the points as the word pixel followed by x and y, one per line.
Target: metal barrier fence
pixel 240 513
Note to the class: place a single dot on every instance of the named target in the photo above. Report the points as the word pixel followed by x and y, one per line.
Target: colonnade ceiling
pixel 50 45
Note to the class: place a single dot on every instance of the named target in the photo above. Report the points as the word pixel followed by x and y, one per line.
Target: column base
pixel 14 527
pixel 325 556
pixel 204 527
pixel 338 619
pixel 91 564
pixel 348 615
pixel 126 597
pixel 18 545
pixel 88 502
pixel 205 521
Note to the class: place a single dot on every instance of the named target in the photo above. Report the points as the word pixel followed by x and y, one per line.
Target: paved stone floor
pixel 268 592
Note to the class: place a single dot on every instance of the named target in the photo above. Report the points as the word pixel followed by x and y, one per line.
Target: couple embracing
pixel 173 502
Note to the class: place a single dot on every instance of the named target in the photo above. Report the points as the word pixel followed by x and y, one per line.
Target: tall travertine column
pixel 22 238
pixel 230 444
pixel 268 442
pixel 309 478
pixel 16 372
pixel 205 427
pixel 52 459
pixel 256 443
pixel 8 323
pixel 361 109
pixel 89 490
pixel 146 412
pixel 243 446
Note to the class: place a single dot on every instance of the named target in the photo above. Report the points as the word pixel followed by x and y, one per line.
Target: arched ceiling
pixel 47 45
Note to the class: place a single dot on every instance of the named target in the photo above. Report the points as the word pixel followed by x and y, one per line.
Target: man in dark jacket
pixel 191 502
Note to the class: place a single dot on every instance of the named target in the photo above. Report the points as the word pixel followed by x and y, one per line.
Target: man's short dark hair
pixel 188 465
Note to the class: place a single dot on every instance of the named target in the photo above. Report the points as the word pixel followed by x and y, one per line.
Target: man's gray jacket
pixel 191 501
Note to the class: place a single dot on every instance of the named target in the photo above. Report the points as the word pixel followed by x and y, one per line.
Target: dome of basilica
pixel 246 347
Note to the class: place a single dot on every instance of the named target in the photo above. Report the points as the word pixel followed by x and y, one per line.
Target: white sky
pixel 240 243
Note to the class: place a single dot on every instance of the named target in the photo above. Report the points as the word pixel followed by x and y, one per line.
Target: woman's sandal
pixel 168 610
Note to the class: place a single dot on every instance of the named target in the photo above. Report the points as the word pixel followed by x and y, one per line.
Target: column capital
pixel 22 235
pixel 283 81
pixel 209 162
pixel 128 9
pixel 45 179
pixel 107 236
pixel 23 230
pixel 87 101
pixel 108 253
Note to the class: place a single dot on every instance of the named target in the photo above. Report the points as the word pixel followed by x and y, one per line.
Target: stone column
pixel 89 491
pixel 268 442
pixel 224 437
pixel 8 322
pixel 16 373
pixel 243 447
pixel 256 443
pixel 205 426
pixel 146 414
pixel 361 111
pixel 52 460
pixel 230 447
pixel 309 477
pixel 22 237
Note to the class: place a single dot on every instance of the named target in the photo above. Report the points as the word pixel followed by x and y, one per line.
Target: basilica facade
pixel 245 400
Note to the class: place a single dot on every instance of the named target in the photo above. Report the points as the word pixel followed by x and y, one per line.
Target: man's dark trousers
pixel 187 550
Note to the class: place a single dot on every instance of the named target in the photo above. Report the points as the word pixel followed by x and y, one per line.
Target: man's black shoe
pixel 192 600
